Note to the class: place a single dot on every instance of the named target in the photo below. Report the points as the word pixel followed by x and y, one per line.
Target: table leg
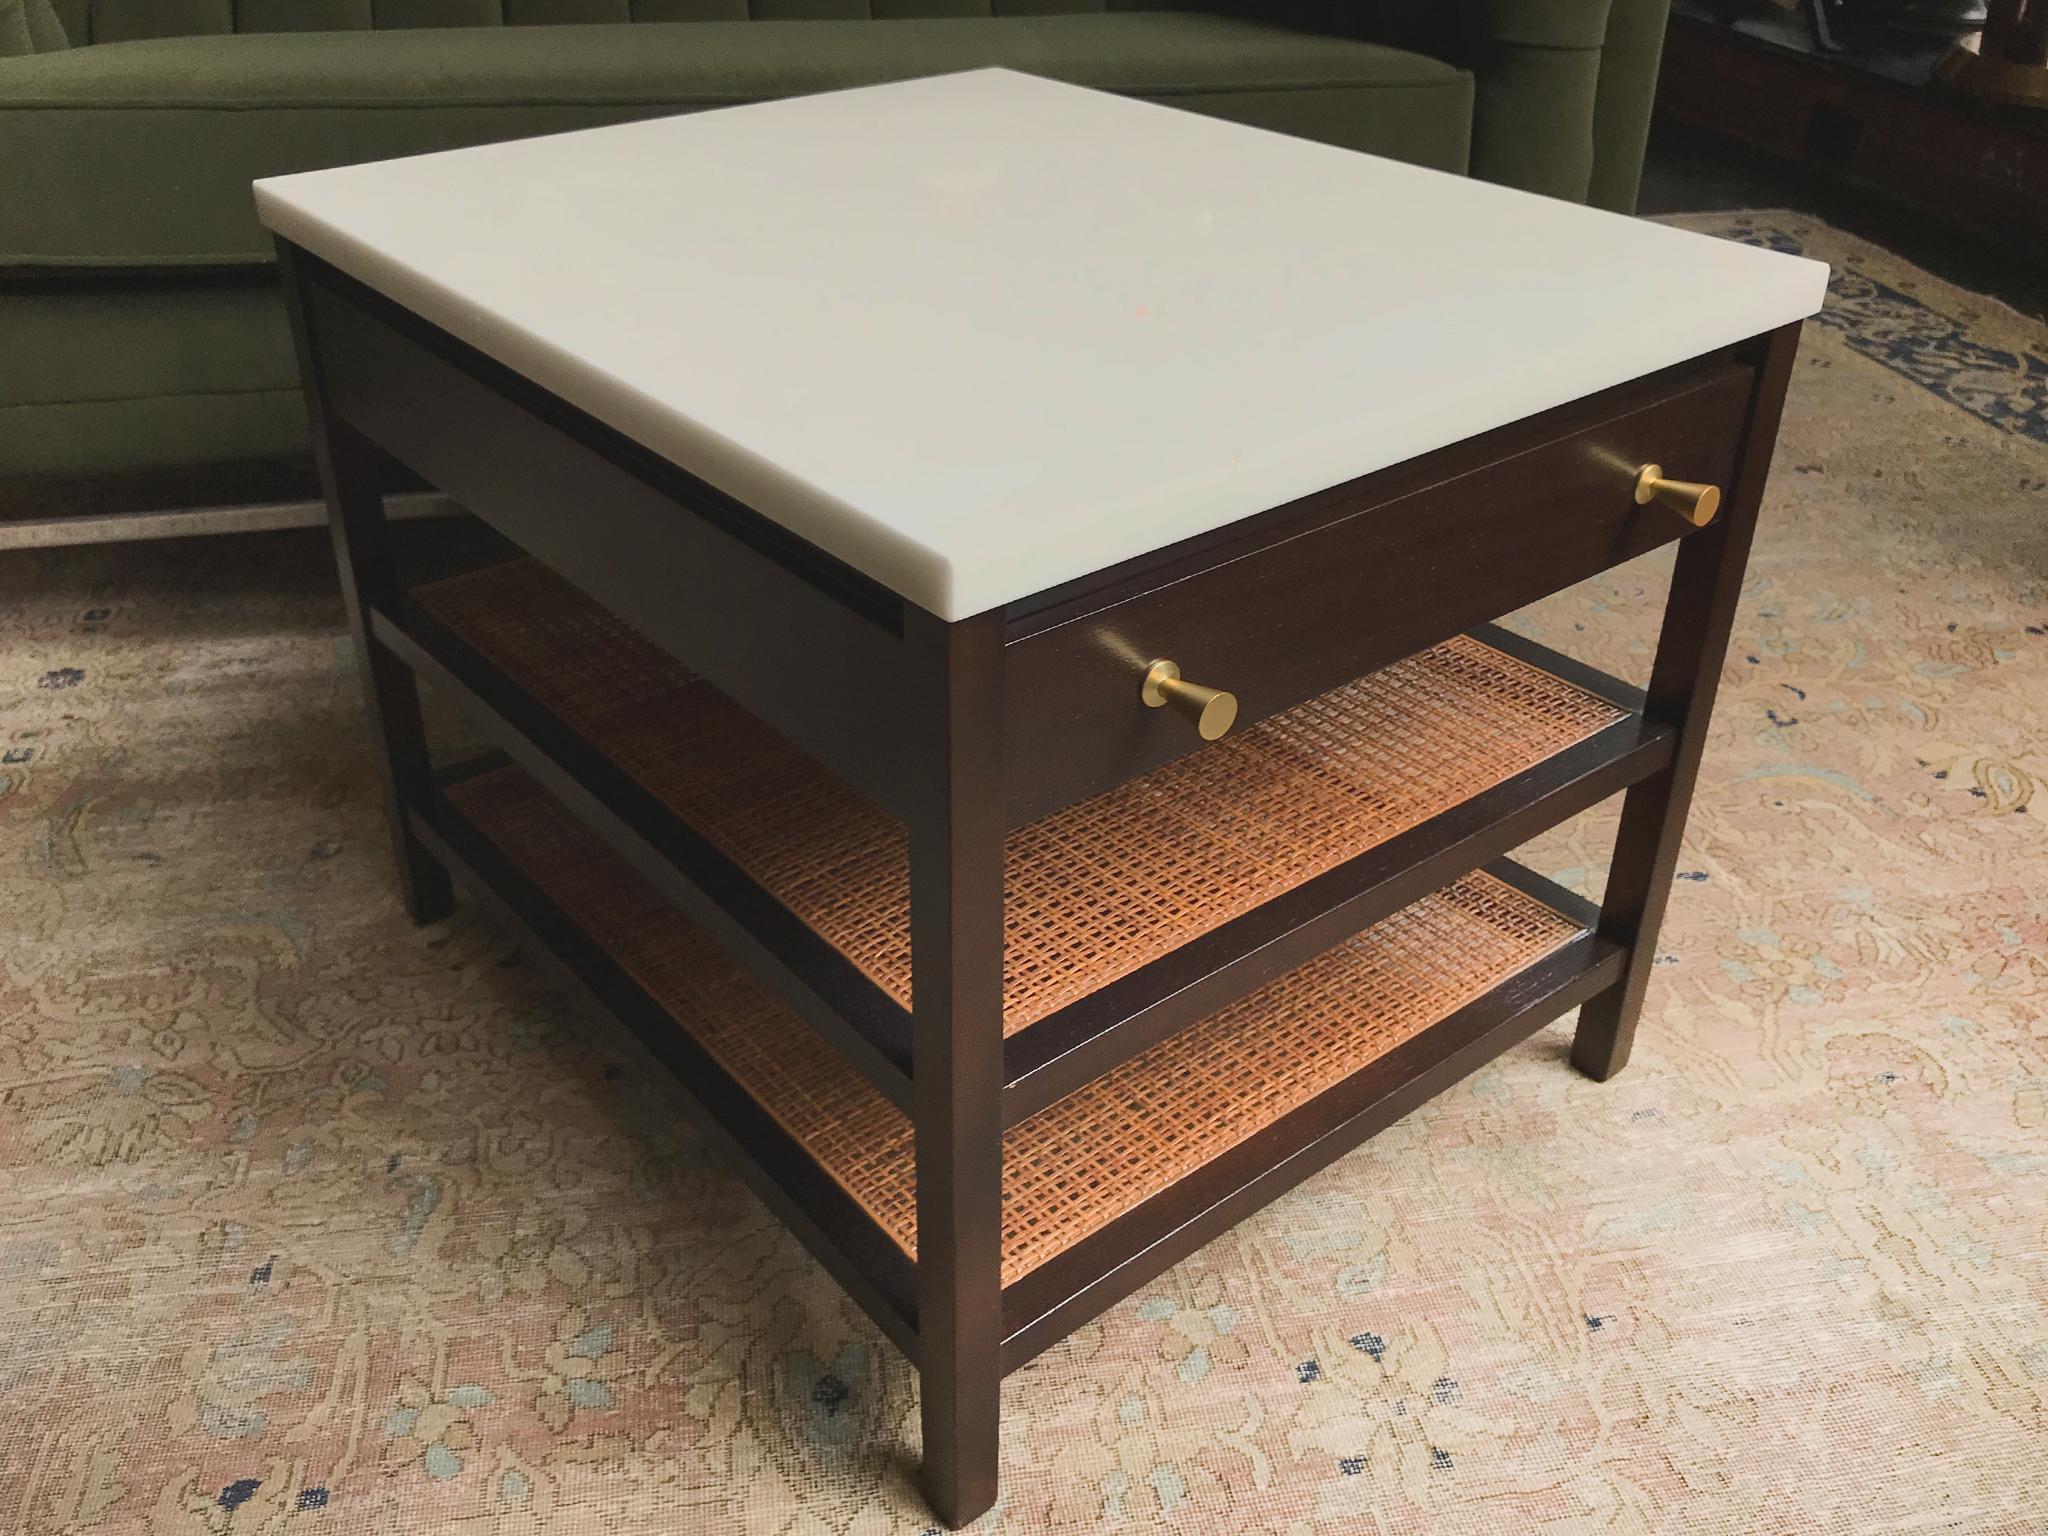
pixel 1691 649
pixel 956 905
pixel 353 473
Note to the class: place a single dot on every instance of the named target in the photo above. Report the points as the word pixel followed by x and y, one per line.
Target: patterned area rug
pixel 311 1223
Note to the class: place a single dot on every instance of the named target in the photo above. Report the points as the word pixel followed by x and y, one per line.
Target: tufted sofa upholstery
pixel 139 323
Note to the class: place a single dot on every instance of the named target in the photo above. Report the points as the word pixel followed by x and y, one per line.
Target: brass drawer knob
pixel 1692 501
pixel 1211 711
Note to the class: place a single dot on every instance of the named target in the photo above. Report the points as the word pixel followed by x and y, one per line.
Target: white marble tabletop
pixel 979 334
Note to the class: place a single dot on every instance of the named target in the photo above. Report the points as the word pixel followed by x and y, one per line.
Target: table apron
pixel 811 647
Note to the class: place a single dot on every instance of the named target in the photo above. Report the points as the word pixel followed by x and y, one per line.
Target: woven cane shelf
pixel 1075 1167
pixel 1092 893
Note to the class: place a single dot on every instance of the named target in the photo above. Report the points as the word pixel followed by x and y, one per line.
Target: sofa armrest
pixel 1629 66
pixel 30 26
pixel 1564 94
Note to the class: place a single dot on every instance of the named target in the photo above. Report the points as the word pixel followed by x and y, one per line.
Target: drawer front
pixel 1414 565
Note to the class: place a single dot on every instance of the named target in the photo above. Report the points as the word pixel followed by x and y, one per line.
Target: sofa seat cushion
pixel 140 154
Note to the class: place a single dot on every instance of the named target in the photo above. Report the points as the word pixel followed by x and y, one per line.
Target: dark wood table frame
pixel 965 730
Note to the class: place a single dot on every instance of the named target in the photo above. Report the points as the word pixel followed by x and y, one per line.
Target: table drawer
pixel 1394 563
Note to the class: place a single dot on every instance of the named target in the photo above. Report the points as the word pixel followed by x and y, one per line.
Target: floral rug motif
pixel 312 1223
pixel 1955 346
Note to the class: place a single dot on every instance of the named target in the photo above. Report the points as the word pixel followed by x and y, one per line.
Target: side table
pixel 993 675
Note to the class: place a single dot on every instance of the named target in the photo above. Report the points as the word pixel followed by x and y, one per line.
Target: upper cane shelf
pixel 1091 893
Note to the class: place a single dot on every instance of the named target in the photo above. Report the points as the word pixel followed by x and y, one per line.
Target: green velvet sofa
pixel 140 326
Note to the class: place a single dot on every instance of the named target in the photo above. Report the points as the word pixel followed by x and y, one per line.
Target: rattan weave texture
pixel 1093 892
pixel 1076 1166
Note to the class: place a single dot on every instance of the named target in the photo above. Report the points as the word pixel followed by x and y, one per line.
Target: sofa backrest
pixel 112 21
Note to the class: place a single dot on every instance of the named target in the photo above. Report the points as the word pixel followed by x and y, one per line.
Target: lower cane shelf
pixel 1074 1168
